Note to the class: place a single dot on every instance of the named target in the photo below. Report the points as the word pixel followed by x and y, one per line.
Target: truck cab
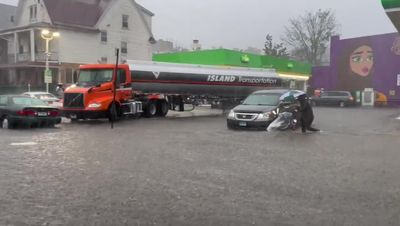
pixel 92 96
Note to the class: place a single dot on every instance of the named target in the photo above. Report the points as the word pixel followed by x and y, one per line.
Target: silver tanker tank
pixel 189 79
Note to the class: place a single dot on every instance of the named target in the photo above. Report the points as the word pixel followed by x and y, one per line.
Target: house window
pixel 21 49
pixel 12 18
pixel 125 19
pixel 104 60
pixel 103 36
pixel 32 12
pixel 124 47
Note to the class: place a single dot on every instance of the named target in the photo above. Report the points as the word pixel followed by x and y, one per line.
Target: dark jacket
pixel 307 114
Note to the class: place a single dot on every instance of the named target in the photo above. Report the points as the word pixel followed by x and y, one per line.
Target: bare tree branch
pixel 274 49
pixel 309 35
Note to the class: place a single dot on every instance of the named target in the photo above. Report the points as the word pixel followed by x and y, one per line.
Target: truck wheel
pixel 151 109
pixel 162 108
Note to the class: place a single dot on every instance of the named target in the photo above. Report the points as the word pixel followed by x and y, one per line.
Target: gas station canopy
pixel 392 8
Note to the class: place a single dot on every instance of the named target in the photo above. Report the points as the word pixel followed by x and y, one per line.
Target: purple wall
pixel 358 63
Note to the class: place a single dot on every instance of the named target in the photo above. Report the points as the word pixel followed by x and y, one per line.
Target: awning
pixel 294 77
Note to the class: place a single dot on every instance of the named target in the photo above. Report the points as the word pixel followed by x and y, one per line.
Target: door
pixel 324 99
pixel 3 105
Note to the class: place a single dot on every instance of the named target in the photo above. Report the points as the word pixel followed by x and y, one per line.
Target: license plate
pixel 73 116
pixel 243 124
pixel 42 113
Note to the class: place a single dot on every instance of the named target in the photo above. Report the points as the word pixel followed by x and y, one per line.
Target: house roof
pixel 73 12
pixel 144 9
pixel 78 12
pixel 6 11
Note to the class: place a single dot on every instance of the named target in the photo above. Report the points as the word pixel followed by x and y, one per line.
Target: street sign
pixel 48 77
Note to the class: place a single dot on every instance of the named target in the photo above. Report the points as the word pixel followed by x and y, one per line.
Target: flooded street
pixel 194 171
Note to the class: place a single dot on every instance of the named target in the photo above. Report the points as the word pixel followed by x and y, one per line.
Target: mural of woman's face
pixel 362 60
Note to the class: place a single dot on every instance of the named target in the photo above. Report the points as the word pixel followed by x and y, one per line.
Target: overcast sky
pixel 240 24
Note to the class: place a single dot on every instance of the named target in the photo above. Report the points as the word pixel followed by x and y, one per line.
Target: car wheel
pixel 5 123
pixel 51 125
pixel 342 104
pixel 229 126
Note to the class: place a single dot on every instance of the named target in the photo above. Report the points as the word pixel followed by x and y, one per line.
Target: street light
pixel 48 36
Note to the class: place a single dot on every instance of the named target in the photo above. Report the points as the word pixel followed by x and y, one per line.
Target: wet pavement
pixel 193 171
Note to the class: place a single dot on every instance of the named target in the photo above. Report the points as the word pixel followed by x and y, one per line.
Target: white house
pixel 90 31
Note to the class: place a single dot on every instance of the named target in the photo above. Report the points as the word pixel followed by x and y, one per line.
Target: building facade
pixel 90 31
pixel 371 63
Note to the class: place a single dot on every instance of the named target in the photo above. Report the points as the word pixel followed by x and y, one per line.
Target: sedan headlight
pixel 266 116
pixel 94 105
pixel 263 116
pixel 231 114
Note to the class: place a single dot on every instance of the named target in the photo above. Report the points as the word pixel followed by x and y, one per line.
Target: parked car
pixel 49 98
pixel 26 111
pixel 259 109
pixel 333 98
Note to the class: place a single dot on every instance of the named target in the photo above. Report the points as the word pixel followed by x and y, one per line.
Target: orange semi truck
pixel 150 89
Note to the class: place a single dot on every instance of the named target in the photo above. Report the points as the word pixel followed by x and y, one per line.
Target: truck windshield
pixel 94 76
pixel 262 99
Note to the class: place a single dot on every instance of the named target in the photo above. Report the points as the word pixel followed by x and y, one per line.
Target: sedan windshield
pixel 94 77
pixel 26 101
pixel 262 99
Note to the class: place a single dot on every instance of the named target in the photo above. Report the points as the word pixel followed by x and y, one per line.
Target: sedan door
pixel 324 99
pixel 3 105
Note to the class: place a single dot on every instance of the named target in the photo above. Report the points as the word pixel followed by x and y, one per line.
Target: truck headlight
pixel 231 114
pixel 94 105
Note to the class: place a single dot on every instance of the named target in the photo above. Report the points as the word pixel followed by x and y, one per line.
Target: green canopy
pixel 392 8
pixel 390 4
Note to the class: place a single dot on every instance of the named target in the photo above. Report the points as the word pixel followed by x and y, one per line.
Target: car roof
pixel 14 95
pixel 273 91
pixel 341 91
pixel 338 91
pixel 36 93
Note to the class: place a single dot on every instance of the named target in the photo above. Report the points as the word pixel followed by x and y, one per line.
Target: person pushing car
pixel 306 114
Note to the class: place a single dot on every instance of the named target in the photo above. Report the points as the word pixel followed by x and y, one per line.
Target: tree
pixel 309 35
pixel 273 49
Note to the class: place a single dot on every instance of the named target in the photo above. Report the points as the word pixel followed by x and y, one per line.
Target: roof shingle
pixel 73 12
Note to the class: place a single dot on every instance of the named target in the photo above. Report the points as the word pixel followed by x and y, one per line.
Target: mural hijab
pixel 356 66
